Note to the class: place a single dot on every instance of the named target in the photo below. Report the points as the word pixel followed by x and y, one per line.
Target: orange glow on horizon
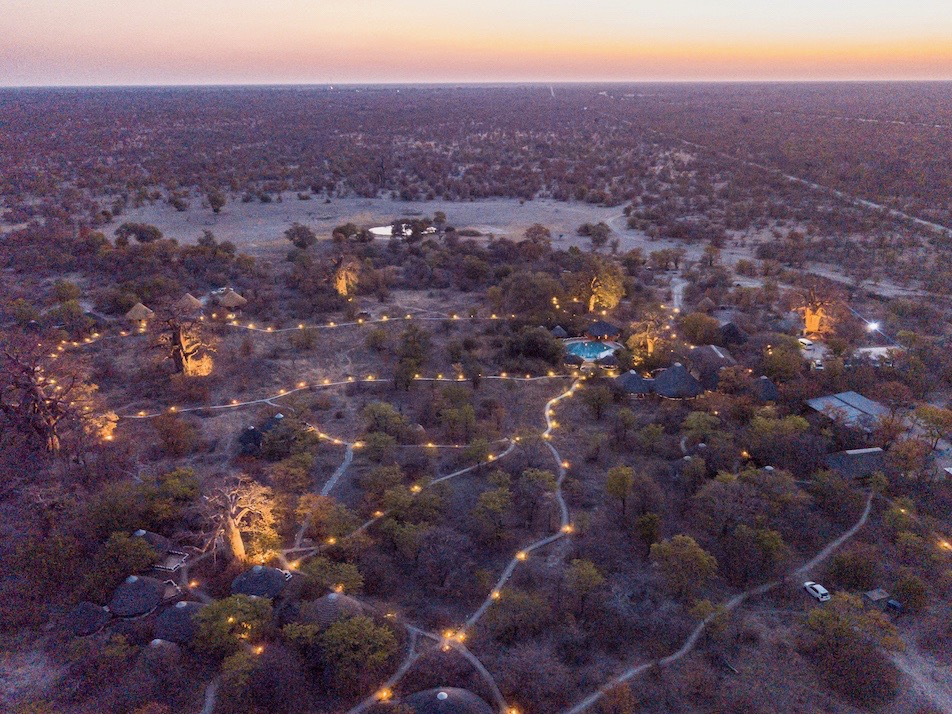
pixel 290 41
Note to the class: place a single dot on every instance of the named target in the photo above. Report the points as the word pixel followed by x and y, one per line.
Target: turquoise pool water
pixel 589 351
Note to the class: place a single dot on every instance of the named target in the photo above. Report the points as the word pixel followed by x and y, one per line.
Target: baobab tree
pixel 182 341
pixel 240 506
pixel 346 275
pixel 601 282
pixel 817 305
pixel 46 395
pixel 647 333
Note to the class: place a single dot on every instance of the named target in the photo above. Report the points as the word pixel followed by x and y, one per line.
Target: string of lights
pixel 327 383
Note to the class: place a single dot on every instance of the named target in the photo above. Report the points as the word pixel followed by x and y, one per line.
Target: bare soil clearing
pixel 259 227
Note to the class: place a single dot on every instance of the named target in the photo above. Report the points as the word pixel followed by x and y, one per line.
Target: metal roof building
pixel 850 408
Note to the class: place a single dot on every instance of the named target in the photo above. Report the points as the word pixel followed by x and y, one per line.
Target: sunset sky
pixel 47 42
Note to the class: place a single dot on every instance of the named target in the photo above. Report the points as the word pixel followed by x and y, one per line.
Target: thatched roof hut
pixel 261 581
pixel 232 300
pixel 139 313
pixel 87 619
pixel 559 332
pixel 188 304
pixel 326 610
pixel 177 623
pixel 136 596
pixel 633 383
pixel 764 390
pixel 731 334
pixel 601 330
pixel 447 700
pixel 676 382
pixel 706 305
pixel 708 361
pixel 159 543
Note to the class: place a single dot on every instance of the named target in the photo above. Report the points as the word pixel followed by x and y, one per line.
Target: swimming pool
pixel 589 351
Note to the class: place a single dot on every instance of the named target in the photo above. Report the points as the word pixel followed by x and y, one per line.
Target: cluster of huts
pixel 159 601
pixel 188 306
pixel 687 382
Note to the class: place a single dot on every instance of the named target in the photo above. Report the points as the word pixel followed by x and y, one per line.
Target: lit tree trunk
pixel 235 541
pixel 186 350
pixel 650 343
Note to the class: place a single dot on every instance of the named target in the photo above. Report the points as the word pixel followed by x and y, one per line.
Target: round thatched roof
pixel 328 609
pixel 633 383
pixel 139 312
pixel 188 303
pixel 676 382
pixel 159 543
pixel 447 700
pixel 177 624
pixel 87 618
pixel 231 299
pixel 260 581
pixel 138 595
pixel 600 329
pixel 706 304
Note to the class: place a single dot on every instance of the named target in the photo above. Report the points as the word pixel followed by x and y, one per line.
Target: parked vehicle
pixel 817 591
pixel 804 342
pixel 818 365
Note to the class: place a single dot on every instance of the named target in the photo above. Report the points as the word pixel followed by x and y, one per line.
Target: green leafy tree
pixel 530 489
pixel 701 329
pixel 911 591
pixel 618 485
pixel 293 474
pixel 324 574
pixel 684 565
pixel 326 517
pixel 491 509
pixel 301 236
pixel 626 421
pixel 936 422
pixel 120 556
pixel 357 649
pixel 237 671
pixel 598 399
pixel 383 417
pixel 700 426
pixel 216 200
pixel 648 528
pixel 379 447
pixel 584 579
pixel 66 291
pixel 856 568
pixel 222 627
pixel 518 615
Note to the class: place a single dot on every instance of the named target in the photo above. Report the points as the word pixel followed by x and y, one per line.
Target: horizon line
pixel 487 83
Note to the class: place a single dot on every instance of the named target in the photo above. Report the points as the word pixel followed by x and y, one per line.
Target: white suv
pixel 816 590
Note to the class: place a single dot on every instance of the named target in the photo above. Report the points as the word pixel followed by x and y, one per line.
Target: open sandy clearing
pixel 257 227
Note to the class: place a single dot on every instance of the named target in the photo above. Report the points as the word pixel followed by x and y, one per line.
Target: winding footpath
pixel 731 604
pixel 454 639
pixel 565 528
